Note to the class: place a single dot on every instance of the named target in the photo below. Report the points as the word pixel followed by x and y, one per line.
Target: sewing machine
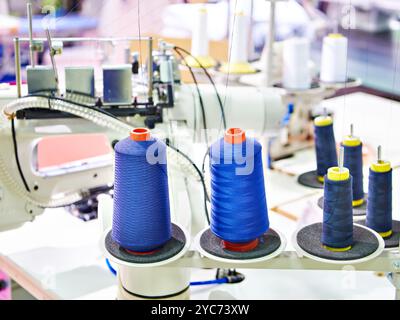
pixel 173 111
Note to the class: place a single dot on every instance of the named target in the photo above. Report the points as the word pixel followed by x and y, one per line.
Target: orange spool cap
pixel 140 134
pixel 235 136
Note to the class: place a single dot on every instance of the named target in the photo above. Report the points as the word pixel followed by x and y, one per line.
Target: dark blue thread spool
pixel 379 207
pixel 354 162
pixel 337 229
pixel 239 214
pixel 141 221
pixel 325 146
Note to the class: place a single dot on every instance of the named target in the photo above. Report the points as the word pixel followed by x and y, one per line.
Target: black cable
pixel 199 94
pixel 14 138
pixel 203 169
pixel 206 198
pixel 210 79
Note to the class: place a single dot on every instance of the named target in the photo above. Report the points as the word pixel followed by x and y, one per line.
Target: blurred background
pixel 372 26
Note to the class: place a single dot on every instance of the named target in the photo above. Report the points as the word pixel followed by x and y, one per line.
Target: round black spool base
pixel 394 240
pixel 310 179
pixel 269 242
pixel 169 250
pixel 365 244
pixel 359 211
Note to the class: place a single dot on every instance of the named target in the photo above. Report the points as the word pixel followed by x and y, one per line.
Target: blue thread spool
pixel 239 214
pixel 141 221
pixel 325 146
pixel 353 160
pixel 379 207
pixel 337 228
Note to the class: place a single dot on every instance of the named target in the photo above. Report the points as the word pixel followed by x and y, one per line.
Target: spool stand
pixel 350 83
pixel 270 245
pixel 147 276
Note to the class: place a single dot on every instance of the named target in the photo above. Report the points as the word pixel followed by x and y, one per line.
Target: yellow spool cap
pixel 206 62
pixel 335 35
pixel 386 234
pixel 351 141
pixel 323 121
pixel 357 203
pixel 335 174
pixel 338 249
pixel 381 166
pixel 321 179
pixel 237 68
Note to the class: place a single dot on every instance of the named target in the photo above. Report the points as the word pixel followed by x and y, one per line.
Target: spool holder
pixel 174 249
pixel 271 245
pixel 310 179
pixel 365 240
pixel 314 89
pixel 392 242
pixel 350 83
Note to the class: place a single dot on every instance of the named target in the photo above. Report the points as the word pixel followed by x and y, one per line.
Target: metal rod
pixel 250 41
pixel 341 159
pixel 271 42
pixel 150 68
pixel 90 39
pixel 379 154
pixel 351 130
pixel 30 23
pixel 53 60
pixel 17 53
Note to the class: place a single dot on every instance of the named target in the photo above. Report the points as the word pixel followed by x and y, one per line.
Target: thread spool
pixel 334 59
pixel 141 221
pixel 296 55
pixel 80 80
pixel 353 160
pixel 239 214
pixel 337 229
pixel 379 207
pixel 325 146
pixel 238 62
pixel 200 42
pixel 117 84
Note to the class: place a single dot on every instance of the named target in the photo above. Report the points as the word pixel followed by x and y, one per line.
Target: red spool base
pixel 240 247
pixel 141 253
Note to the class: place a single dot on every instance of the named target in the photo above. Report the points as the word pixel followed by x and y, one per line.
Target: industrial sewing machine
pixel 172 110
